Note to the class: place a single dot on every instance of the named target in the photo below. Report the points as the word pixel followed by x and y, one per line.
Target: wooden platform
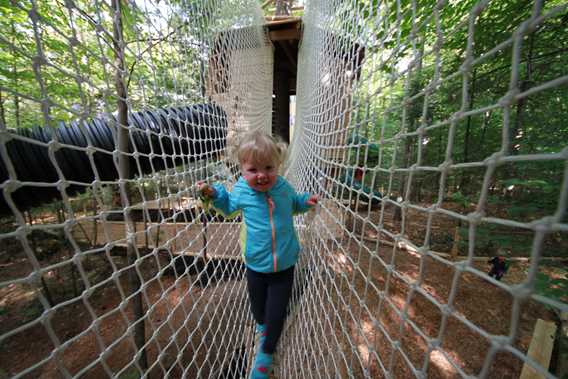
pixel 220 240
pixel 540 349
pixel 172 203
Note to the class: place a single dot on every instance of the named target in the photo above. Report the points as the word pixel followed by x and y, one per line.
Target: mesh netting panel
pixel 111 267
pixel 420 124
pixel 433 132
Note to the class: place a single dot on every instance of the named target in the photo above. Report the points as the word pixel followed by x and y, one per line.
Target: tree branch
pixel 156 42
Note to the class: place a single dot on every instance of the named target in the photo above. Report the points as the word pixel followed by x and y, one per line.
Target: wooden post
pixel 281 126
pixel 562 358
pixel 283 7
pixel 456 245
pixel 540 348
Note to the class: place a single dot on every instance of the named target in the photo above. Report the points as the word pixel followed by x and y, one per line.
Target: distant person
pixel 269 244
pixel 499 267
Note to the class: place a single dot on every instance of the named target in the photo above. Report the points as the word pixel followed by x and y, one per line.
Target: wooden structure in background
pixel 176 238
pixel 285 35
pixel 540 348
pixel 189 237
pixel 239 79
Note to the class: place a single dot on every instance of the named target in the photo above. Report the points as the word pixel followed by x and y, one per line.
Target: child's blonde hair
pixel 257 146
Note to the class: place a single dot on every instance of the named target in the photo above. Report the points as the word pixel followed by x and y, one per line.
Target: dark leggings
pixel 498 274
pixel 269 296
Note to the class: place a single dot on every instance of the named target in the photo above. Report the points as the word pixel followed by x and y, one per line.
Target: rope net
pixel 434 133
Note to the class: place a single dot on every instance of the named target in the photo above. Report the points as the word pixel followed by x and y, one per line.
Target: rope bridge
pixel 433 131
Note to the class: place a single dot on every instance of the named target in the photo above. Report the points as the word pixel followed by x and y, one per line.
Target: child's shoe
pixel 262 366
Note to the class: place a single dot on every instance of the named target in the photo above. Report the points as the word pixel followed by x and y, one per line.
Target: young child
pixel 270 247
pixel 499 267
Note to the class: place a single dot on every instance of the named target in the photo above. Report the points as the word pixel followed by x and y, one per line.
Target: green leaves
pixel 78 70
pixel 461 199
pixel 552 282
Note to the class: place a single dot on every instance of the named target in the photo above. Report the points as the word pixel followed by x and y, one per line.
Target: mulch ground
pixel 186 324
pixel 189 322
pixel 391 283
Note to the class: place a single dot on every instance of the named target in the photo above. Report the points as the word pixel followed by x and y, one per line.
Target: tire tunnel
pixel 162 138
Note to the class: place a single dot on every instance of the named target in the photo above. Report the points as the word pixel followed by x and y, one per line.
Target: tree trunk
pixel 517 131
pixel 283 7
pixel 74 280
pixel 15 83
pixel 486 119
pixel 46 292
pixel 413 112
pixel 464 182
pixel 468 123
pixel 2 112
pixel 17 110
pixel 139 333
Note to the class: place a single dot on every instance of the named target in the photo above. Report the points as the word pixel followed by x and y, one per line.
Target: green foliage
pixel 32 310
pixel 130 373
pixel 412 77
pixel 553 282
pixel 405 99
pixel 78 76
pixel 491 239
pixel 461 199
pixel 516 211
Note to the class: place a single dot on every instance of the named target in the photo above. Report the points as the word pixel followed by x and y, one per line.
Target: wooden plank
pixel 285 34
pixel 404 246
pixel 540 348
pixel 178 238
pixel 174 203
pixel 456 245
pixel 273 9
pixel 279 20
pixel 214 256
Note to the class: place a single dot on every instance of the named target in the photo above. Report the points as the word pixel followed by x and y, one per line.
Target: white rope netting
pixel 424 127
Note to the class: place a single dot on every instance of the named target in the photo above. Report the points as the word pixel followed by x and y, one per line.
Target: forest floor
pixel 184 326
pixel 172 325
pixel 485 305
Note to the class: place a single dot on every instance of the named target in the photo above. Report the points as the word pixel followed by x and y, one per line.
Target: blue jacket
pixel 268 239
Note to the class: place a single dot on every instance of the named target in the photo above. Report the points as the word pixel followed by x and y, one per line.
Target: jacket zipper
pixel 270 210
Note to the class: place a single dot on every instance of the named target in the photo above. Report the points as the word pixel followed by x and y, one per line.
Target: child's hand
pixel 313 200
pixel 205 190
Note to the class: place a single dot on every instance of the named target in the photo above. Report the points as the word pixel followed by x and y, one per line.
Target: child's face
pixel 259 176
